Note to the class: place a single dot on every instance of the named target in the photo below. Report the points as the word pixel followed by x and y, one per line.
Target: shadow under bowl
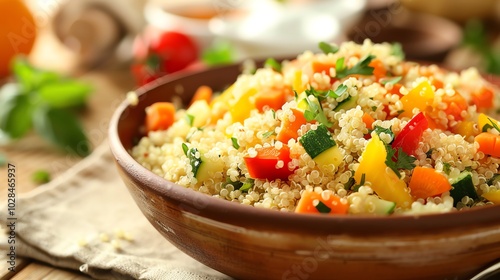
pixel 251 243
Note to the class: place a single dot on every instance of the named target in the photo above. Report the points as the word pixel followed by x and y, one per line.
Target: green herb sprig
pixel 46 102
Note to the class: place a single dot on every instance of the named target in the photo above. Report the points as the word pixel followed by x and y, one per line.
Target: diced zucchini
pixel 348 103
pixel 321 147
pixel 380 206
pixel 463 186
pixel 200 112
pixel 332 155
pixel 493 180
pixel 203 167
pixel 316 141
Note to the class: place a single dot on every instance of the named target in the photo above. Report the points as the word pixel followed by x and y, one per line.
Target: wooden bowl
pixel 251 243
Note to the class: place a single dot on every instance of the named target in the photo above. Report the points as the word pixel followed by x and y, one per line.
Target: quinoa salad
pixel 352 129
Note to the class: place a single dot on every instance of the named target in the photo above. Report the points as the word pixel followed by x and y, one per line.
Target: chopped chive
pixel 267 134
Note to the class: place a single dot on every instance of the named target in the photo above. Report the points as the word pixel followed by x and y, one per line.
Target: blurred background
pixel 65 65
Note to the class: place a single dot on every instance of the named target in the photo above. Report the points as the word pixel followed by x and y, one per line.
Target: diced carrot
pixel 432 122
pixel 379 70
pixel 483 98
pixel 321 67
pixel 437 83
pixel 314 203
pixel 272 99
pixel 159 116
pixel 368 120
pixel 202 93
pixel 456 104
pixel 396 89
pixel 427 182
pixel 289 128
pixel 489 143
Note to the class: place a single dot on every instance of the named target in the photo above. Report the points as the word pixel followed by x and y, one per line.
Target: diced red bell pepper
pixel 411 134
pixel 270 163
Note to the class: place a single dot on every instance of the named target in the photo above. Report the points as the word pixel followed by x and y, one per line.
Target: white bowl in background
pixel 271 28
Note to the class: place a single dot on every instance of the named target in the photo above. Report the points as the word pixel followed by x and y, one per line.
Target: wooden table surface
pixel 32 153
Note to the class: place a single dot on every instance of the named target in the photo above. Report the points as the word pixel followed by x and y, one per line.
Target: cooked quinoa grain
pixel 339 133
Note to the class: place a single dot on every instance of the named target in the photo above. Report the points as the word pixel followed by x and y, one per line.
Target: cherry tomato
pixel 410 135
pixel 158 53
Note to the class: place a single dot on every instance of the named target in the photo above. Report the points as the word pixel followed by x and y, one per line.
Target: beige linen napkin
pixel 86 220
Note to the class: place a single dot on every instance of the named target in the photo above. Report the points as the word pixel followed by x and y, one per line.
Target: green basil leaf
pixel 31 78
pixel 16 109
pixel 65 93
pixel 61 128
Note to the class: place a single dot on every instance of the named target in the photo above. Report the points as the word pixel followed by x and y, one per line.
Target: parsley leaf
pixel 378 130
pixel 400 161
pixel 185 148
pixel 273 64
pixel 247 185
pixel 361 183
pixel 341 89
pixel 361 68
pixel 391 81
pixel 315 112
pixel 447 168
pixel 328 48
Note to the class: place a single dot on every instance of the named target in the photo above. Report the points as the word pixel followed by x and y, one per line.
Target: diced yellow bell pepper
pixel 466 129
pixel 493 196
pixel 220 104
pixel 383 180
pixel 297 82
pixel 419 97
pixel 241 109
pixel 484 120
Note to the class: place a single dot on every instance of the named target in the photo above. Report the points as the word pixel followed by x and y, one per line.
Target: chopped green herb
pixel 235 143
pixel 194 160
pixel 185 148
pixel 447 168
pixel 341 89
pixel 339 64
pixel 391 81
pixel 494 125
pixel 44 101
pixel 493 180
pixel 268 134
pixel 273 64
pixel 322 208
pixel 361 183
pixel 397 50
pixel 374 108
pixel 41 177
pixel 429 152
pixel 247 185
pixel 401 161
pixel 350 183
pixel 361 68
pixel 237 184
pixel 378 130
pixel 400 112
pixel 328 48
pixel 273 112
pixel 189 119
pixel 315 111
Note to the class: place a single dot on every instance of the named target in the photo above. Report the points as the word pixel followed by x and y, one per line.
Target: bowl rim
pixel 191 202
